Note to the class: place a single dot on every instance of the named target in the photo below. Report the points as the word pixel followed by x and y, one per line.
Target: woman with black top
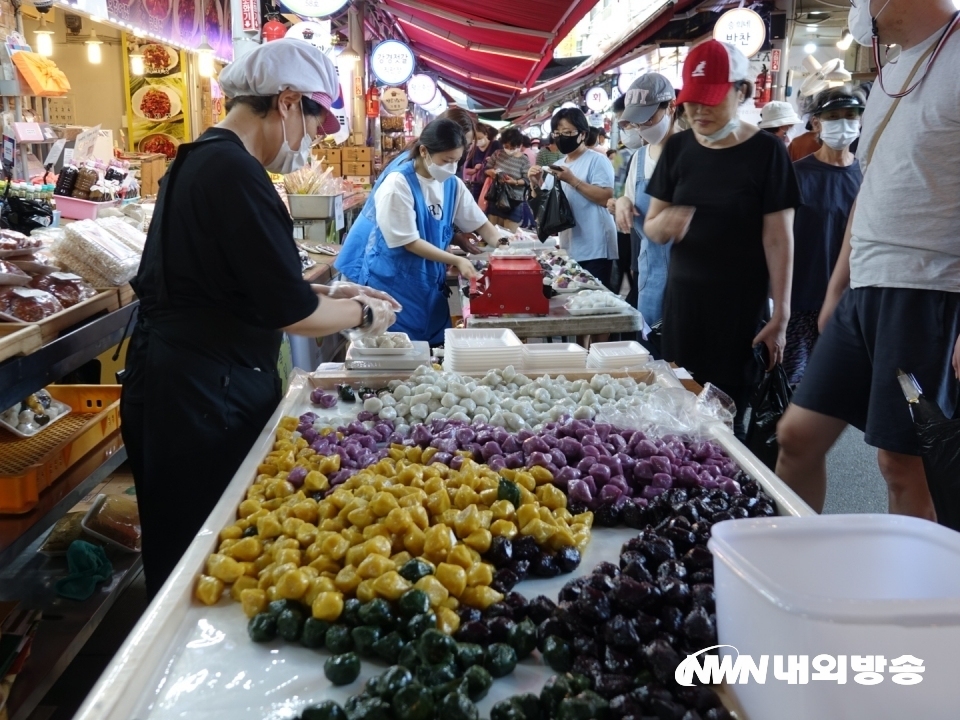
pixel 725 194
pixel 219 283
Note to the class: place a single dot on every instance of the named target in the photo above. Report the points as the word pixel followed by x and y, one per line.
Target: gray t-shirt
pixel 595 236
pixel 906 229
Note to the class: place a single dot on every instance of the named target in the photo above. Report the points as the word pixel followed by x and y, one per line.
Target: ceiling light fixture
pixel 44 38
pixel 847 40
pixel 93 48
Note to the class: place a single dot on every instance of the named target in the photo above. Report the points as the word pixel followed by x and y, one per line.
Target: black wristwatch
pixel 367 317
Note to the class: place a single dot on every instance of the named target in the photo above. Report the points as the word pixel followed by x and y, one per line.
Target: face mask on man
pixel 441 172
pixel 513 153
pixel 289 160
pixel 656 133
pixel 861 23
pixel 568 143
pixel 839 134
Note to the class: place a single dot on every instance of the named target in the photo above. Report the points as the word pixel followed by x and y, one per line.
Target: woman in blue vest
pixel 648 119
pixel 350 259
pixel 416 208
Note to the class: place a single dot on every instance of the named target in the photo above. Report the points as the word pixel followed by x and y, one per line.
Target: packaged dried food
pixel 90 251
pixel 68 288
pixel 114 519
pixel 87 177
pixel 10 274
pixel 25 304
pixel 67 529
pixel 13 243
pixel 40 263
pixel 124 232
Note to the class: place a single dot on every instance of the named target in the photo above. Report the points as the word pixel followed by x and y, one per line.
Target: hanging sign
pixel 421 89
pixel 392 62
pixel 315 33
pixel 313 8
pixel 742 28
pixel 597 99
pixel 546 128
pixel 250 13
pixel 395 101
pixel 624 81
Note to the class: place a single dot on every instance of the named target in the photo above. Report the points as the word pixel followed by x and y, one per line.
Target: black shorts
pixel 852 374
pixel 602 270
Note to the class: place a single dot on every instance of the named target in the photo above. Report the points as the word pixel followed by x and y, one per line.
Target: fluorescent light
pixel 847 40
pixel 44 38
pixel 810 48
pixel 205 64
pixel 93 48
pixel 812 28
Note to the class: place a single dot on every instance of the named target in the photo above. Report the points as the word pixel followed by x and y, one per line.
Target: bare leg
pixel 805 437
pixel 510 225
pixel 906 485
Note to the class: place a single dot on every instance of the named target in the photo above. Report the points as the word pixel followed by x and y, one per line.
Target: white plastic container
pixel 841 585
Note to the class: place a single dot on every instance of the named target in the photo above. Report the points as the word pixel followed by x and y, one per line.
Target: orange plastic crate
pixel 29 466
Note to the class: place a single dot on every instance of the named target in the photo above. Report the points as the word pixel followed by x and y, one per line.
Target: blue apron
pixel 350 259
pixel 654 260
pixel 418 284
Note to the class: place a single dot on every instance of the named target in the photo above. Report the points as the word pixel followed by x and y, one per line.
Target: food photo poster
pixel 157 111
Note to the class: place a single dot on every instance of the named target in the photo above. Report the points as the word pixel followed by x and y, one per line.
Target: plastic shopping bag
pixel 555 214
pixel 940 447
pixel 767 405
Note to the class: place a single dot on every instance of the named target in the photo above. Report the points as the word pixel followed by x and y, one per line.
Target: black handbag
pixel 770 399
pixel 554 214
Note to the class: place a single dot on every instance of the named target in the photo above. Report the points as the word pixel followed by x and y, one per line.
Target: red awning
pixel 491 50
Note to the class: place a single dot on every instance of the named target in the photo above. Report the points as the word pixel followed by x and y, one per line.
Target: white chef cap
pixel 285 64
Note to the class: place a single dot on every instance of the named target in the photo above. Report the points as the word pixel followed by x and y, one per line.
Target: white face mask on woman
pixel 723 132
pixel 839 134
pixel 441 172
pixel 289 160
pixel 656 133
pixel 631 138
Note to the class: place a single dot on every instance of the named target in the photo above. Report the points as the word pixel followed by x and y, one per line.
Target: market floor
pixel 855 486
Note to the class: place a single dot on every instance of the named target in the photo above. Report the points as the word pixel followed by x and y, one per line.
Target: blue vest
pixel 416 283
pixel 654 260
pixel 350 259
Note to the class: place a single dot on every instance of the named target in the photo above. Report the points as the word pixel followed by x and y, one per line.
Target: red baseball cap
pixel 710 70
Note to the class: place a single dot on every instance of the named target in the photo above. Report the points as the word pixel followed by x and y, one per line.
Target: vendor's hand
pixel 465 241
pixel 535 173
pixel 624 212
pixel 956 359
pixel 675 221
pixel 774 336
pixel 383 315
pixel 465 267
pixel 342 290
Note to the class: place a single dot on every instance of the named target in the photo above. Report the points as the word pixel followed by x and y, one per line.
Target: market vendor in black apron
pixel 219 283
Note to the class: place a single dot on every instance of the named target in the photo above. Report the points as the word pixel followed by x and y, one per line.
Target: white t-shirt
pixel 649 165
pixel 906 229
pixel 397 218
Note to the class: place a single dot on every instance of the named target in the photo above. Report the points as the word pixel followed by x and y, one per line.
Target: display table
pixel 558 322
pixel 184 659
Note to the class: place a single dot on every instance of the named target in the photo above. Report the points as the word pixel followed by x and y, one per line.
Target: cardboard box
pixel 337 170
pixel 364 182
pixel 330 156
pixel 357 138
pixel 357 154
pixel 152 168
pixel 357 168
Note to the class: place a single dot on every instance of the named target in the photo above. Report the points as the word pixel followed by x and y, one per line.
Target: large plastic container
pixel 841 585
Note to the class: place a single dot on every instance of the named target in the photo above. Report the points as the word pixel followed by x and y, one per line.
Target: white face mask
pixel 631 138
pixel 656 133
pixel 861 22
pixel 289 160
pixel 839 134
pixel 723 132
pixel 441 172
pixel 513 153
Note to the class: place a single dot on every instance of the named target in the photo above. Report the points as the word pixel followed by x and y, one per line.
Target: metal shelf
pixel 22 376
pixel 18 532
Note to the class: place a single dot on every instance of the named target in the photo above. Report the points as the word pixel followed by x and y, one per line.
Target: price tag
pixel 56 150
pixel 338 212
pixel 9 149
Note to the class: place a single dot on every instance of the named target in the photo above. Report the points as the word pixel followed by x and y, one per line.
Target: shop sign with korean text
pixel 392 62
pixel 183 22
pixel 742 28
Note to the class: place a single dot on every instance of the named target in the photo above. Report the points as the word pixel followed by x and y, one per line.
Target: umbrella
pixel 940 447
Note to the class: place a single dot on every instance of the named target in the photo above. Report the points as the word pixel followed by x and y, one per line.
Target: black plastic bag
pixel 555 214
pixel 940 447
pixel 498 198
pixel 25 215
pixel 767 405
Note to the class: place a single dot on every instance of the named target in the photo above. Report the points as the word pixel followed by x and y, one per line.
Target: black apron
pixel 189 419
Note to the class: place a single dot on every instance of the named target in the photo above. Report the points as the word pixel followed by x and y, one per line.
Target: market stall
pixel 188 658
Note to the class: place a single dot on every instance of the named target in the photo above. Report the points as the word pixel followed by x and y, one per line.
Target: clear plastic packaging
pixel 115 519
pixel 13 243
pixel 87 177
pixel 672 410
pixel 40 263
pixel 36 413
pixel 124 232
pixel 68 288
pixel 10 274
pixel 25 304
pixel 93 253
pixel 67 529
